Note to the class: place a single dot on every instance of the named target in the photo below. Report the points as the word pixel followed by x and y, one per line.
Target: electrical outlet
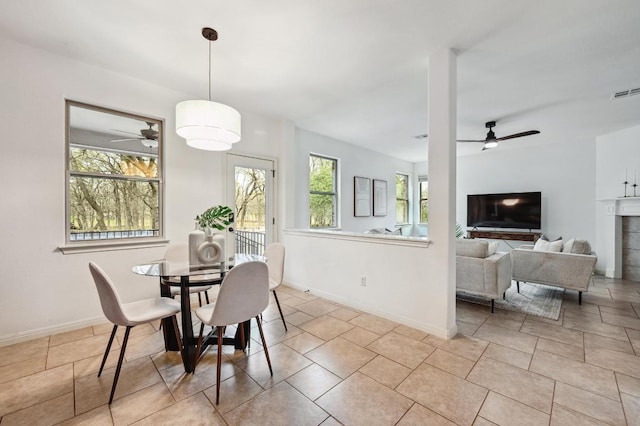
pixel 363 281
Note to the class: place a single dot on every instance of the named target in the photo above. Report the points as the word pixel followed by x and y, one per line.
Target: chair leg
pixel 199 344
pixel 504 295
pixel 493 301
pixel 206 297
pixel 579 298
pixel 219 366
pixel 279 309
pixel 199 300
pixel 518 285
pixel 106 352
pixel 242 338
pixel 115 378
pixel 264 343
pixel 177 331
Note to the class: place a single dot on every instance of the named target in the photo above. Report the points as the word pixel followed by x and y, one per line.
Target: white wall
pixel 352 161
pixel 564 173
pixel 42 290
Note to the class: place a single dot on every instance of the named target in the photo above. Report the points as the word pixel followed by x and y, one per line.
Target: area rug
pixel 533 299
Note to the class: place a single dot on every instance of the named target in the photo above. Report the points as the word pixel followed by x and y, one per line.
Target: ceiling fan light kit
pixel 208 125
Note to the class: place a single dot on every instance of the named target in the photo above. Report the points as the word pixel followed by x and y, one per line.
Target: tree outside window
pixel 402 198
pixel 323 199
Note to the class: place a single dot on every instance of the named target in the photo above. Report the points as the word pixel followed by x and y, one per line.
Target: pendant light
pixel 208 125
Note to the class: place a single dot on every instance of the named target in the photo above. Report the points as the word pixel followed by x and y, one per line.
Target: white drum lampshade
pixel 208 125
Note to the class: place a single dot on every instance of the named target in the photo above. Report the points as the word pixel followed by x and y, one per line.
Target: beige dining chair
pixel 129 315
pixel 275 262
pixel 179 252
pixel 244 294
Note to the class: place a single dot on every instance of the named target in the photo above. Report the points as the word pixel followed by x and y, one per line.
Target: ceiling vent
pixel 625 93
pixel 422 136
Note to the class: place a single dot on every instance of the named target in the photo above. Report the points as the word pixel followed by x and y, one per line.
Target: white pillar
pixel 442 179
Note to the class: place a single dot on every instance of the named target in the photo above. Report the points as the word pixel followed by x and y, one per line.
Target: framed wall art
pixel 379 197
pixel 361 196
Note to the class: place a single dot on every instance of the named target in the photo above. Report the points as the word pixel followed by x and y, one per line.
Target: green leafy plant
pixel 459 231
pixel 218 217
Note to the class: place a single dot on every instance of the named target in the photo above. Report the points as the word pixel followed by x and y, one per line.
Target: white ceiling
pixel 356 70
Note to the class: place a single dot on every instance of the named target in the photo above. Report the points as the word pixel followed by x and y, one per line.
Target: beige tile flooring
pixel 336 366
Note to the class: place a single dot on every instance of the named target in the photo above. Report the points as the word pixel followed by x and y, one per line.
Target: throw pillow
pixel 493 246
pixel 568 246
pixel 544 245
pixel 577 246
pixel 581 247
pixel 544 237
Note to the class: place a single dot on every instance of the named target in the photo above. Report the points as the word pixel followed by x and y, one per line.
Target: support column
pixel 441 154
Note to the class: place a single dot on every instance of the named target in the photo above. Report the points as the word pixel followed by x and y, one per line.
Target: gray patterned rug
pixel 533 299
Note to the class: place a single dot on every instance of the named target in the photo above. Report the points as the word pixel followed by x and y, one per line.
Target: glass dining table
pixel 192 275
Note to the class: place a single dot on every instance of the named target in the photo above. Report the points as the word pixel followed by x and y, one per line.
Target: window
pixel 423 181
pixel 402 198
pixel 113 175
pixel 323 198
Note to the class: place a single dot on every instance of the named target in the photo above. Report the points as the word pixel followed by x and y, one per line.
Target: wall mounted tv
pixel 511 210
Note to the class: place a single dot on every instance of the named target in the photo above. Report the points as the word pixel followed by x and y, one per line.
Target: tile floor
pixel 339 366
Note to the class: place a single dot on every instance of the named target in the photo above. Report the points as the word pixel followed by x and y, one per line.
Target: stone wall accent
pixel 631 248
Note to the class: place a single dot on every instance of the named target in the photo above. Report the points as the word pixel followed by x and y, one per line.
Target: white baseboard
pixel 436 331
pixel 47 331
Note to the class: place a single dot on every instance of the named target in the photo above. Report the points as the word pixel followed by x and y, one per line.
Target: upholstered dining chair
pixel 129 315
pixel 244 294
pixel 178 252
pixel 275 262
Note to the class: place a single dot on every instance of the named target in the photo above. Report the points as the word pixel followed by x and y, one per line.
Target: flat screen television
pixel 520 210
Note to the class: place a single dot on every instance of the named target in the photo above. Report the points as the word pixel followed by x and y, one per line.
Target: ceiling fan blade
pixel 469 140
pixel 518 135
pixel 125 140
pixel 124 131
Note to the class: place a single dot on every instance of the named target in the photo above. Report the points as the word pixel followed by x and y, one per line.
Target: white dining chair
pixel 244 294
pixel 275 262
pixel 129 315
pixel 178 252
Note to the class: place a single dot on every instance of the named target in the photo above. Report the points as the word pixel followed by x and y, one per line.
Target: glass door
pixel 250 194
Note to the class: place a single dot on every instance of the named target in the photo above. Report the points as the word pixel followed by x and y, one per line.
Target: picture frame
pixel 379 197
pixel 361 196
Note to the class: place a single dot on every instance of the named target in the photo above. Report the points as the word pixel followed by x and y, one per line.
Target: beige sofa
pixel 480 270
pixel 564 269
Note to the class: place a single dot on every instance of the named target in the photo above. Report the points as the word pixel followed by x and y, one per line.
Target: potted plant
pixel 218 217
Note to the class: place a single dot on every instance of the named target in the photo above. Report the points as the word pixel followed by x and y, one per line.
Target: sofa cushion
pixel 472 248
pixel 577 246
pixel 544 245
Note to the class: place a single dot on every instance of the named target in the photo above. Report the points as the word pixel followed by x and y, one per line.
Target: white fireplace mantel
pixel 615 209
pixel 628 206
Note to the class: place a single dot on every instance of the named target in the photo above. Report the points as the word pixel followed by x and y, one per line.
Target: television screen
pixel 512 210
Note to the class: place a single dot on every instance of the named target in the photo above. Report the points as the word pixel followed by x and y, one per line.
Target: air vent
pixel 424 135
pixel 625 93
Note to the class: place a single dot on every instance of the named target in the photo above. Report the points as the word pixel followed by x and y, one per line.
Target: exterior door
pixel 250 193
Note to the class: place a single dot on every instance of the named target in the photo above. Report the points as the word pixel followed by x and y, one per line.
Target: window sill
pixel 95 246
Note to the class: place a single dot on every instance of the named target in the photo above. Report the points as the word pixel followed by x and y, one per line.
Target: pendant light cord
pixel 209 70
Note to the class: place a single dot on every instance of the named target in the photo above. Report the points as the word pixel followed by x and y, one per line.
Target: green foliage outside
pixel 322 188
pixel 424 198
pixel 250 199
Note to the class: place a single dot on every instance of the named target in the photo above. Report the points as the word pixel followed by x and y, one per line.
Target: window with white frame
pixel 114 171
pixel 423 183
pixel 402 198
pixel 323 193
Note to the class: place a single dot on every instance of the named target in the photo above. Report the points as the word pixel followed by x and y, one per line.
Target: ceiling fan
pixel 148 137
pixel 491 141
